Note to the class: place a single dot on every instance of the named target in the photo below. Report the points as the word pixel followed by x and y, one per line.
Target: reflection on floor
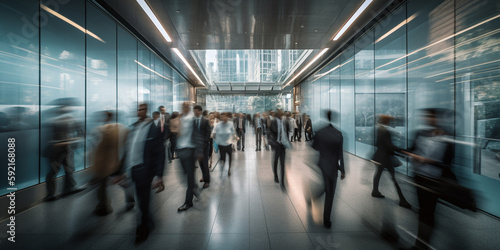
pixel 249 211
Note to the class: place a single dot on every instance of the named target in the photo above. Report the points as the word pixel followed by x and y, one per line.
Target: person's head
pixel 257 115
pixel 225 116
pixel 242 115
pixel 288 114
pixel 385 119
pixel 142 110
pixel 186 107
pixel 198 110
pixel 162 109
pixel 205 113
pixel 279 113
pixel 430 116
pixel 156 115
pixel 329 115
pixel 217 115
pixel 211 116
pixel 174 115
pixel 272 113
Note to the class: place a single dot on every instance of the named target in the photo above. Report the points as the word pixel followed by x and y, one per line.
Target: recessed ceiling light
pixel 352 19
pixel 178 53
pixel 308 65
pixel 296 43
pixel 154 19
pixel 315 30
pixel 301 26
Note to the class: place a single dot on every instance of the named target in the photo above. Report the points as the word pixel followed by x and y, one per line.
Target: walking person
pixel 258 127
pixel 328 141
pixel 224 135
pixel 279 141
pixel 201 137
pixel 384 158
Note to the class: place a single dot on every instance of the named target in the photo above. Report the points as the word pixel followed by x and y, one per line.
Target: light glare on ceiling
pixel 352 19
pixel 154 19
pixel 187 64
pixel 308 65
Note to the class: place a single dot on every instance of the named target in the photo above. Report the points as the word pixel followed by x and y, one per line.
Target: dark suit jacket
pixel 237 124
pixel 262 124
pixel 201 137
pixel 308 125
pixel 385 148
pixel 328 141
pixel 154 151
pixel 272 132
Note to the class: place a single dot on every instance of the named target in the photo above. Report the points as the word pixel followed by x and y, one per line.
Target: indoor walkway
pixel 249 211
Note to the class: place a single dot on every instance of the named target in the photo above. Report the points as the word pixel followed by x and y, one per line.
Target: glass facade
pixel 425 54
pixel 69 53
pixel 249 104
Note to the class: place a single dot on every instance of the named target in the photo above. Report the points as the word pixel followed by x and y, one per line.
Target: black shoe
pixel 405 204
pixel 377 195
pixel 184 207
pixel 103 211
pixel 256 150
pixel 141 234
pixel 276 180
pixel 206 185
pixel 201 180
pixel 327 224
pixel 242 149
pixel 50 198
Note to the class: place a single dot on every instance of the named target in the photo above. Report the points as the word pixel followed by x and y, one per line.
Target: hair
pixel 144 104
pixel 329 115
pixel 385 119
pixel 156 113
pixel 228 114
pixel 174 115
pixel 161 107
pixel 198 107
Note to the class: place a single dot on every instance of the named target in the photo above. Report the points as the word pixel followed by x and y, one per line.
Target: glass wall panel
pixel 390 75
pixel 325 95
pixel 347 100
pixel 478 96
pixel 169 95
pixel 19 90
pixel 364 95
pixel 144 74
pixel 334 78
pixel 101 69
pixel 127 77
pixel 62 78
pixel 430 60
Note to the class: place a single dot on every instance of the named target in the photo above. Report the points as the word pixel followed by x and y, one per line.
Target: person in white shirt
pixel 224 134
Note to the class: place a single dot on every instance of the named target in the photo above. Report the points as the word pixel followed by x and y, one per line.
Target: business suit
pixel 201 138
pixel 328 141
pixel 258 131
pixel 298 120
pixel 153 165
pixel 275 138
pixel 240 131
pixel 308 130
pixel 383 156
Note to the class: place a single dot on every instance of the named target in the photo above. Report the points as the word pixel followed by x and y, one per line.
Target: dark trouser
pixel 330 185
pixel 427 202
pixel 241 141
pixel 258 137
pixel 143 180
pixel 300 132
pixel 295 136
pixel 210 147
pixel 173 144
pixel 223 150
pixel 187 158
pixel 102 194
pixel 204 165
pixel 279 154
pixel 65 158
pixel 376 180
pixel 308 136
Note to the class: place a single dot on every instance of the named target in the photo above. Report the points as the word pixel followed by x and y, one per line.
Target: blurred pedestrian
pixel 201 137
pixel 278 139
pixel 328 141
pixel 384 158
pixel 224 135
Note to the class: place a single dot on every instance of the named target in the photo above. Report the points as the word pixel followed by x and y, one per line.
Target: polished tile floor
pixel 249 211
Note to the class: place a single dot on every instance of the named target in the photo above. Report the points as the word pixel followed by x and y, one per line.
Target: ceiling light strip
pixel 154 19
pixel 308 65
pixel 352 19
pixel 187 64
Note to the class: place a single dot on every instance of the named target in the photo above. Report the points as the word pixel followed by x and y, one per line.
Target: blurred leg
pixel 376 179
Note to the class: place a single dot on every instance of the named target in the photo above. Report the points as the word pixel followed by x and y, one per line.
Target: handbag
pixel 216 147
pixel 395 162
